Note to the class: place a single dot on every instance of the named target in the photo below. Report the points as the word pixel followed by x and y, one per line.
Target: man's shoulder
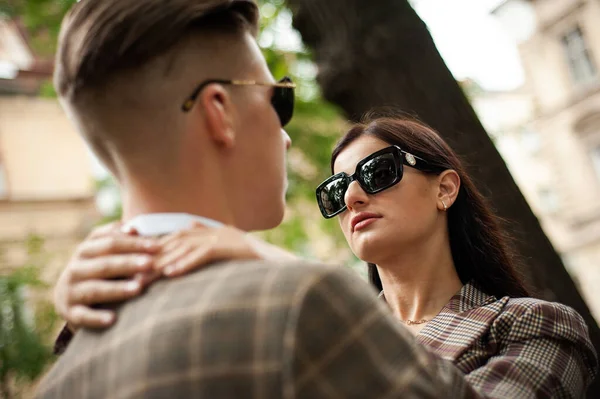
pixel 255 272
pixel 229 283
pixel 232 292
pixel 213 314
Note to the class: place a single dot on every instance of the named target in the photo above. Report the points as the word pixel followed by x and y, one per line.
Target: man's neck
pixel 143 199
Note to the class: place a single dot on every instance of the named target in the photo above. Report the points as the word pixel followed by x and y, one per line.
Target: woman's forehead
pixel 359 149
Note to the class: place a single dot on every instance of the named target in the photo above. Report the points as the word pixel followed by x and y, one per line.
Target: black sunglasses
pixel 375 173
pixel 282 100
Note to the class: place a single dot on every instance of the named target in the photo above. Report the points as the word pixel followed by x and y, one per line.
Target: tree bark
pixel 380 53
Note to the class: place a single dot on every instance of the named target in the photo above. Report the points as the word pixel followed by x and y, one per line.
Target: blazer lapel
pixel 462 322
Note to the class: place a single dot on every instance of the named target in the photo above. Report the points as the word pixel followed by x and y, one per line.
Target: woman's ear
pixel 218 109
pixel 448 188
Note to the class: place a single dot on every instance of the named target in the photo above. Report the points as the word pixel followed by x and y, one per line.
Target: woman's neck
pixel 418 286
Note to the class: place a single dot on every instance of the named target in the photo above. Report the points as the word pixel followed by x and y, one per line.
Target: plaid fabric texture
pixel 252 330
pixel 513 348
pixel 262 330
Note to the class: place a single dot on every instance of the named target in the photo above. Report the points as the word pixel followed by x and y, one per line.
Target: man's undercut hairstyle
pixel 101 38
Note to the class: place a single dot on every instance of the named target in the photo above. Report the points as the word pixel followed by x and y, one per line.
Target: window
pixel 578 56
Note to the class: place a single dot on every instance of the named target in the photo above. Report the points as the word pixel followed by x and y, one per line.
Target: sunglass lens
pixel 379 173
pixel 331 196
pixel 283 102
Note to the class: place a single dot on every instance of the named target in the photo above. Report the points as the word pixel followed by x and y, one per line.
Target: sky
pixel 472 41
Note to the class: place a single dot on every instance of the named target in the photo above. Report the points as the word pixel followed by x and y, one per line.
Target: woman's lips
pixel 364 223
pixel 362 220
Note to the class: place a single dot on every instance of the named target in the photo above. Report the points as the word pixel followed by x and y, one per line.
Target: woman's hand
pixel 191 249
pixel 109 266
pixel 112 266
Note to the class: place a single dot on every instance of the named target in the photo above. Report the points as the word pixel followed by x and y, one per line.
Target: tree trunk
pixel 373 54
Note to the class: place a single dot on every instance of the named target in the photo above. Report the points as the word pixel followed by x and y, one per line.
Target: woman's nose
pixel 355 196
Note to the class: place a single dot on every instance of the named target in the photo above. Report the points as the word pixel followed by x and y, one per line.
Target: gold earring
pixel 445 206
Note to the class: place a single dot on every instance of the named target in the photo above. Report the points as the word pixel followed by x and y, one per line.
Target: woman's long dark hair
pixel 480 247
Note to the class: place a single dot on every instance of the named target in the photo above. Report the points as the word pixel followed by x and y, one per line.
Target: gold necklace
pixel 407 322
pixel 414 322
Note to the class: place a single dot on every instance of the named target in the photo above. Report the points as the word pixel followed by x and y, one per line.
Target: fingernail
pixel 150 245
pixel 132 286
pixel 170 270
pixel 142 261
pixel 127 229
pixel 107 318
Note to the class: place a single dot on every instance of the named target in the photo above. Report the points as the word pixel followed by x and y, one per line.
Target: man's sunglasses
pixel 375 173
pixel 282 100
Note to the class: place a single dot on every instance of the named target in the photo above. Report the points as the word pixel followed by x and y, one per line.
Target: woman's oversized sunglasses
pixel 282 99
pixel 375 173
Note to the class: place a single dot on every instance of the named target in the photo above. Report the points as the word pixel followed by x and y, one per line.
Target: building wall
pixel 43 157
pixel 48 182
pixel 560 178
pixel 563 106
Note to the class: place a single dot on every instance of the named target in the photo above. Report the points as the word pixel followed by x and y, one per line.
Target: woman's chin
pixel 368 253
pixel 374 248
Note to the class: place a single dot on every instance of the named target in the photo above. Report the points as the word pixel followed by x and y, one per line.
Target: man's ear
pixel 449 186
pixel 219 111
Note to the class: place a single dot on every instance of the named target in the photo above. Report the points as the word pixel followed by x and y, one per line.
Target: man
pixel 176 99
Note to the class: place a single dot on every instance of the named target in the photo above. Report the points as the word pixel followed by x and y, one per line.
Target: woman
pixel 435 252
pixel 428 229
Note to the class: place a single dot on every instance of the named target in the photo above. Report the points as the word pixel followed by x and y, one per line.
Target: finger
pixel 203 256
pixel 172 245
pixel 104 230
pixel 167 258
pixel 197 229
pixel 198 225
pixel 118 244
pixel 207 254
pixel 82 316
pixel 199 236
pixel 191 261
pixel 129 230
pixel 100 291
pixel 106 267
pixel 193 238
pixel 148 278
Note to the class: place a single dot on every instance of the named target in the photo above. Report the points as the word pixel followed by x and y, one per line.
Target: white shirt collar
pixel 156 224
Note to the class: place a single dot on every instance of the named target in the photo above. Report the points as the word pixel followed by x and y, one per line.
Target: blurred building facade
pixel 548 131
pixel 46 181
